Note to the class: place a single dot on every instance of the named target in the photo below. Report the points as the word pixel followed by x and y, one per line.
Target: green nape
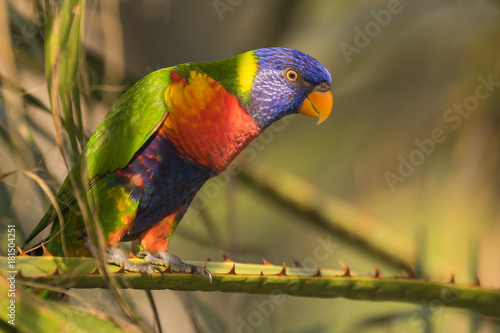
pixel 236 74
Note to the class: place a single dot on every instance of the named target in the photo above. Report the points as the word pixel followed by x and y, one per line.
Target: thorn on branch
pixel 477 282
pixel 267 263
pixel 283 270
pixel 410 272
pixel 168 268
pixel 232 271
pixel 377 271
pixel 55 272
pixel 317 274
pixel 121 269
pixel 132 256
pixel 46 252
pixel 347 270
pixel 22 253
pixel 226 259
pixel 296 262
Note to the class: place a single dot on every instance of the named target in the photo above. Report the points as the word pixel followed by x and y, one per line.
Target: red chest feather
pixel 205 122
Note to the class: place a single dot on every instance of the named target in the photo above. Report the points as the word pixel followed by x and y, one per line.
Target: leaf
pixel 30 314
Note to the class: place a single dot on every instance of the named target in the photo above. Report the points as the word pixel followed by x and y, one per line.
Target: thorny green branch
pixel 266 279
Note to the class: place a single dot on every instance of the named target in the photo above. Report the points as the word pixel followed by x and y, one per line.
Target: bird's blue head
pixel 288 81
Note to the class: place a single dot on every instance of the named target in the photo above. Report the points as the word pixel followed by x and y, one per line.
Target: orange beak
pixel 318 104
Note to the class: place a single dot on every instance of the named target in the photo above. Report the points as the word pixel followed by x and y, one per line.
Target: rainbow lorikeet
pixel 168 134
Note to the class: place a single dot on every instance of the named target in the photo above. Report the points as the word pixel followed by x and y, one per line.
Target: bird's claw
pixel 174 263
pixel 145 268
pixel 116 256
pixel 202 271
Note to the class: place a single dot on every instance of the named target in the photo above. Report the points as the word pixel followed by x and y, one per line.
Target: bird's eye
pixel 291 75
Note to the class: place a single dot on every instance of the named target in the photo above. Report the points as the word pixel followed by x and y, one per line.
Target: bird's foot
pixel 115 255
pixel 175 263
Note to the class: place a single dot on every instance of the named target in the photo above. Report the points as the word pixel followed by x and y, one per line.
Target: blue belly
pixel 169 182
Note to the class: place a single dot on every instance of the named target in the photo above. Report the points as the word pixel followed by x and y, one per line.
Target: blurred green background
pixel 413 142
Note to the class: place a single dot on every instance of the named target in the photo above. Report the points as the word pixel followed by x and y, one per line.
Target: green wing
pixel 127 126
